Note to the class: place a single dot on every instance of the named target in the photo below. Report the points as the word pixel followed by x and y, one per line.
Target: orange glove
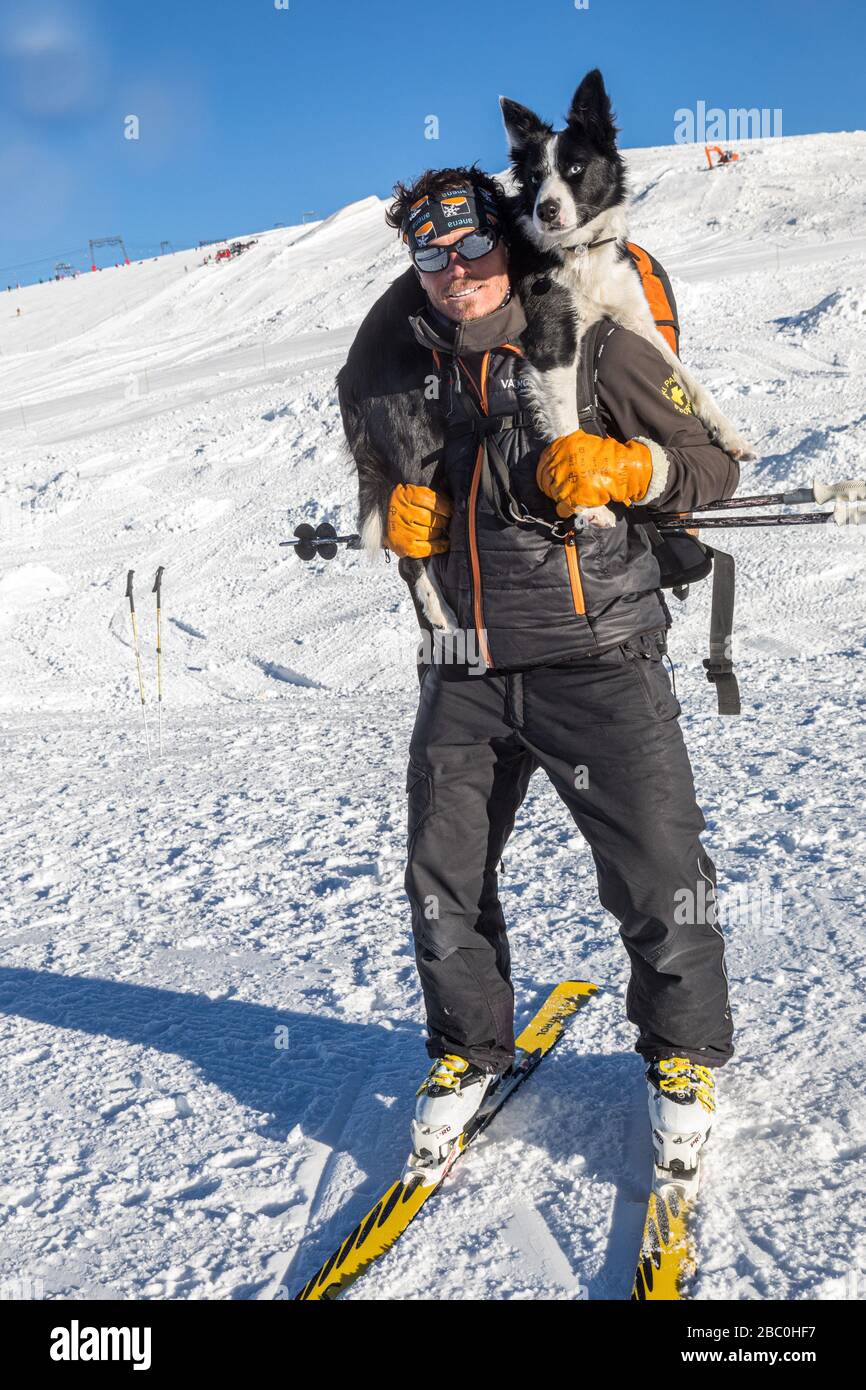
pixel 584 470
pixel 417 521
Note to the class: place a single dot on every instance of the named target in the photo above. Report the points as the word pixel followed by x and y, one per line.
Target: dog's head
pixel 566 178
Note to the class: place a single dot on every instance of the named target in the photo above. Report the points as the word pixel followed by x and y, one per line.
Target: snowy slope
pixel 158 925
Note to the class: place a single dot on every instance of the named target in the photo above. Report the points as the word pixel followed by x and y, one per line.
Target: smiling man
pixel 572 626
pixel 459 254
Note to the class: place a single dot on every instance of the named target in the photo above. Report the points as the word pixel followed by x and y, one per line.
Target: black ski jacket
pixel 532 598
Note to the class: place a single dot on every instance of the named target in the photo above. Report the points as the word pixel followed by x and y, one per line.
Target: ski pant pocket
pixel 419 791
pixel 644 656
pixel 435 942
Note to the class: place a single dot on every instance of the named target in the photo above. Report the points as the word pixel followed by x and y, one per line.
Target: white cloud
pixel 53 67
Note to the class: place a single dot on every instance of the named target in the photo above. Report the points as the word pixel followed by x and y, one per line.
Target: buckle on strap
pixel 481 427
pixel 485 425
pixel 717 667
pixel 720 672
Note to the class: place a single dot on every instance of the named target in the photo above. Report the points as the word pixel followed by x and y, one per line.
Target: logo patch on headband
pixel 434 215
pixel 423 234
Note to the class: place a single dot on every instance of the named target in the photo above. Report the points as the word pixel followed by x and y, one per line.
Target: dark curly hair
pixel 437 181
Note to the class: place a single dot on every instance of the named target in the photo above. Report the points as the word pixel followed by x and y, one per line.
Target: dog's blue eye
pixel 575 170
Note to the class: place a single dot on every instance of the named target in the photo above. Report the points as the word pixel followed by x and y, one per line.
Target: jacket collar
pixel 475 335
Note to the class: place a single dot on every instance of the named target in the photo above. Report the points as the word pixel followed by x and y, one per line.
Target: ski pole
pixel 157 589
pixel 138 659
pixel 321 541
pixel 851 490
pixel 843 514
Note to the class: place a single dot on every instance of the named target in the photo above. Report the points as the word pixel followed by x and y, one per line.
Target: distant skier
pixel 588 701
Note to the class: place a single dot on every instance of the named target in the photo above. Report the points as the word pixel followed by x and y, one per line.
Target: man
pixel 571 628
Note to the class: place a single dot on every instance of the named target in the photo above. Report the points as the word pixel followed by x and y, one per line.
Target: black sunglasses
pixel 475 244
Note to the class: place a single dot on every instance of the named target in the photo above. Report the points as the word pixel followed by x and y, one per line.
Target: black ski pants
pixel 606 731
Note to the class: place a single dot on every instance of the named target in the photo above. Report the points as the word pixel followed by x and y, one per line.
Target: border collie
pixel 570 202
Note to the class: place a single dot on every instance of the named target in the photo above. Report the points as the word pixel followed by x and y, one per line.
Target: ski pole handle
pixel 850 490
pixel 129 590
pixel 157 583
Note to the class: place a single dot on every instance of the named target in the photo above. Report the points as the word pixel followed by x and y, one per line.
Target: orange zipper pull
pixel 574 578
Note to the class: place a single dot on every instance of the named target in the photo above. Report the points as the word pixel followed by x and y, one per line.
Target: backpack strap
pixel 719 666
pixel 591 348
pixel 495 475
pixel 658 293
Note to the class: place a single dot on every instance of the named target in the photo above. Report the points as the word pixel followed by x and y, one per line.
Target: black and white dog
pixel 570 202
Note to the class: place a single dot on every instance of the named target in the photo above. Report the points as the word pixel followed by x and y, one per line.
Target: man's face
pixel 467 289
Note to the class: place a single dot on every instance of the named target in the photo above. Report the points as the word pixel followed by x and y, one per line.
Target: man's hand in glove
pixel 583 470
pixel 417 521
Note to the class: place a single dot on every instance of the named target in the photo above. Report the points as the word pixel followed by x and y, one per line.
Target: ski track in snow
pixel 164 931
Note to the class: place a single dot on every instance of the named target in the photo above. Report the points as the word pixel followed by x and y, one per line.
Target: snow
pixel 211 1023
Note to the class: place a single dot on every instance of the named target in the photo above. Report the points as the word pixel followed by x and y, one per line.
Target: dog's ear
pixel 591 110
pixel 521 124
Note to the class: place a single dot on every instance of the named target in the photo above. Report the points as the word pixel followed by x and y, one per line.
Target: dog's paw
pixel 743 452
pixel 598 516
pixel 735 445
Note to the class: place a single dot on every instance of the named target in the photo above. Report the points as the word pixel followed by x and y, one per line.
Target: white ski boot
pixel 448 1097
pixel 682 1104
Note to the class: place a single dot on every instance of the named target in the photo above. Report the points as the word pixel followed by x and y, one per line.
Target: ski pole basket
pixel 320 542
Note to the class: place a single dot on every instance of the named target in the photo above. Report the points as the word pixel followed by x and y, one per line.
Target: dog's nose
pixel 548 211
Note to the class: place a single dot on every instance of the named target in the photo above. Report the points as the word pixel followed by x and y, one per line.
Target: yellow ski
pixel 397 1207
pixel 667 1253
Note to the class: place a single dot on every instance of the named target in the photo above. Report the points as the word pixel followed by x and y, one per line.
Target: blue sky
pixel 251 115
